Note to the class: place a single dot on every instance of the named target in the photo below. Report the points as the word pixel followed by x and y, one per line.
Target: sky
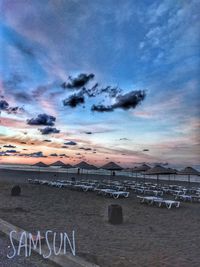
pixel 100 81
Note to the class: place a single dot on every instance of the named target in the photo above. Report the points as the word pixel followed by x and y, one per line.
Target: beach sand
pixel 149 236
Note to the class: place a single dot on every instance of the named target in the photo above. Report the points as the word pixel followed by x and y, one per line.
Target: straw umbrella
pixel 67 166
pixel 112 166
pixel 142 169
pixel 40 164
pixel 85 166
pixel 58 164
pixel 189 171
pixel 158 170
pixel 173 171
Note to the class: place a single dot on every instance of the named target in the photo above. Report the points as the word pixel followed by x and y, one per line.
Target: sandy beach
pixel 149 236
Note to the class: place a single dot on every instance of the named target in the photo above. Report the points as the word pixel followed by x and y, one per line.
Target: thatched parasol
pixel 40 164
pixel 158 170
pixel 112 166
pixel 67 166
pixel 189 171
pixel 58 164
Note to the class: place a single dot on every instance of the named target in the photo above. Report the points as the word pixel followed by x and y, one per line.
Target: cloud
pixel 42 119
pixel 64 155
pixel 49 130
pixel 102 108
pixel 53 155
pixel 130 100
pixel 35 155
pixel 125 102
pixel 74 100
pixel 96 90
pixel 22 97
pixel 79 81
pixel 85 148
pixel 9 146
pixel 11 151
pixel 88 132
pixel 15 110
pixel 47 140
pixel 70 143
pixel 3 105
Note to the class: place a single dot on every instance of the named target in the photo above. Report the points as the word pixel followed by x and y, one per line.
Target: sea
pixel 129 174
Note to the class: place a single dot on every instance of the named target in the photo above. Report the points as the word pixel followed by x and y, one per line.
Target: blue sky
pixel 134 45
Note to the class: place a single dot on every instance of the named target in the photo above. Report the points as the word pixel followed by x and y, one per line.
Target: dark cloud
pixel 46 140
pixel 79 81
pixel 33 155
pixel 70 143
pixel 74 100
pixel 15 110
pixel 85 148
pixel 64 146
pixel 3 105
pixel 12 151
pixel 101 108
pixel 88 132
pixel 23 97
pixel 36 155
pixel 96 90
pixel 130 100
pixel 145 150
pixel 64 155
pixel 9 146
pixel 49 130
pixel 53 155
pixel 3 153
pixel 126 101
pixel 42 119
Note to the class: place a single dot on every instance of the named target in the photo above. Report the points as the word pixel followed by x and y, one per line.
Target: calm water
pixel 100 172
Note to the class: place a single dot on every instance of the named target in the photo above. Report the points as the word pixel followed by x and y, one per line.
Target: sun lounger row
pixel 159 202
pixel 101 189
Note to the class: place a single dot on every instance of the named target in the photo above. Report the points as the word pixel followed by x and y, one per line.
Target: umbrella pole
pixel 189 180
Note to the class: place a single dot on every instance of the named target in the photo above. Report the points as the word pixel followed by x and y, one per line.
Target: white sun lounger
pixel 149 200
pixel 117 194
pixel 168 203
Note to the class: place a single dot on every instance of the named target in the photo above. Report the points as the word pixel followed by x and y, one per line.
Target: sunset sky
pixel 100 81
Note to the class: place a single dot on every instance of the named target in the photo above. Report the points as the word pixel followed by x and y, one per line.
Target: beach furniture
pixel 184 197
pixel 149 200
pixel 118 194
pixel 167 203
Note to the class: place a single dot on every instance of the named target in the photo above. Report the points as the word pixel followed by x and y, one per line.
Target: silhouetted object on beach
pixel 158 170
pixel 189 171
pixel 78 171
pixel 113 173
pixel 15 191
pixel 115 214
pixel 141 169
pixel 112 166
pixel 58 164
pixel 40 164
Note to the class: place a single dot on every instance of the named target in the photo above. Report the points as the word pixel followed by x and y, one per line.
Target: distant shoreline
pixel 49 173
